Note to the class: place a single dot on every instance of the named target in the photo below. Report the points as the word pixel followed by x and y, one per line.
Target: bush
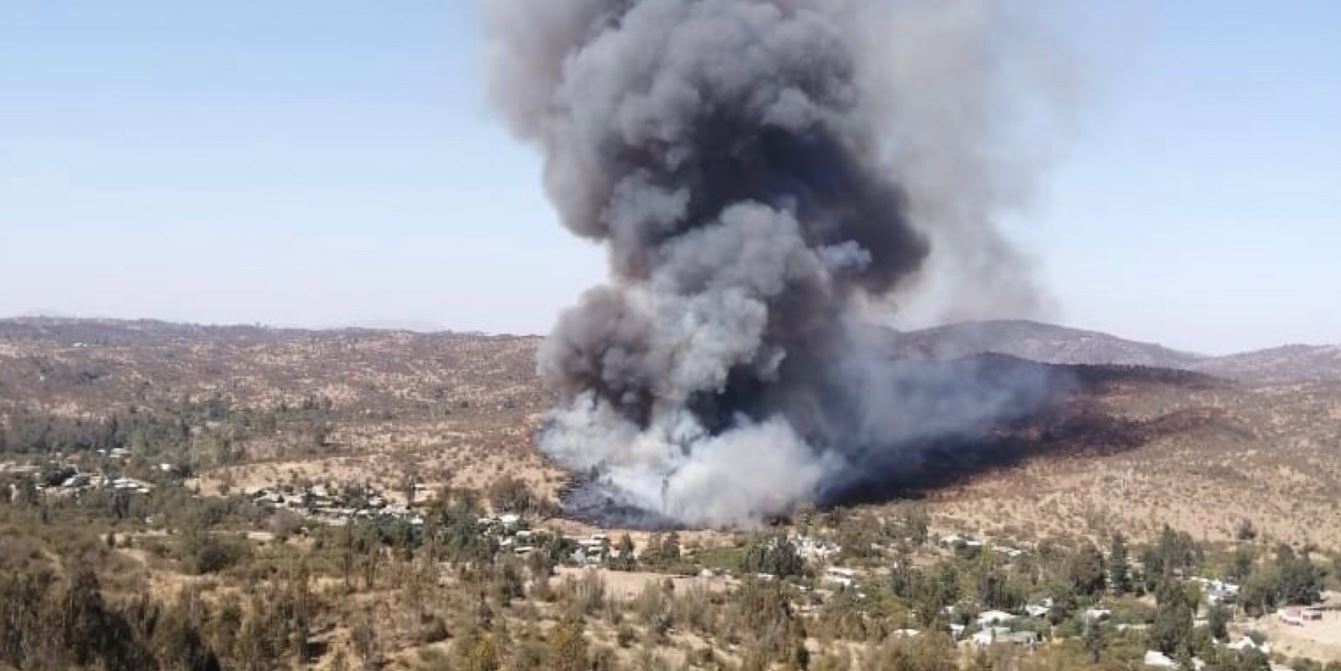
pixel 211 554
pixel 1244 530
pixel 431 630
pixel 625 636
pixel 586 595
pixel 511 495
pixel 568 646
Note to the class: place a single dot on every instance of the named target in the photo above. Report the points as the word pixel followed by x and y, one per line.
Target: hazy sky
pixel 335 162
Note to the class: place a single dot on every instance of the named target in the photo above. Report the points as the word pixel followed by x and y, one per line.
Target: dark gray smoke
pixel 765 174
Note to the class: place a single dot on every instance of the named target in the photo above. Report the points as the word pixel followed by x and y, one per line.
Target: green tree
pixel 1300 581
pixel 670 548
pixel 1094 641
pixel 1172 628
pixel 774 555
pixel 994 590
pixel 624 559
pixel 1218 622
pixel 1118 571
pixel 1241 564
pixel 1085 571
pixel 915 524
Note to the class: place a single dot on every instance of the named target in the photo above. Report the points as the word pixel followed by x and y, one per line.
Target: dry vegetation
pixel 459 409
pixel 454 409
pixel 1132 451
pixel 1270 455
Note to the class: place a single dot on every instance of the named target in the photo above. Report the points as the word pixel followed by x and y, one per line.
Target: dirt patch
pixel 1319 640
pixel 629 584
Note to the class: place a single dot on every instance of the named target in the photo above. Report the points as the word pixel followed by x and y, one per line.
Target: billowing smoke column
pixel 762 173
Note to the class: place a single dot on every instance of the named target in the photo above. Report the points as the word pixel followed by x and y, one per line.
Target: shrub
pixel 774 555
pixel 511 495
pixel 211 554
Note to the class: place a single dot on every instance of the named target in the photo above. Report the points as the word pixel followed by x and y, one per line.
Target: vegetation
pixel 189 576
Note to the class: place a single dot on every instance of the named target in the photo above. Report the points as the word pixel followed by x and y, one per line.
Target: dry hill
pixel 1135 448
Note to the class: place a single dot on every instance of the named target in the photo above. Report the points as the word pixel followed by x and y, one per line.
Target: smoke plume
pixel 765 175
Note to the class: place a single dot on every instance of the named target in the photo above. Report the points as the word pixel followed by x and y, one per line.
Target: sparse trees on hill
pixel 915 523
pixel 46 624
pixel 181 644
pixel 476 651
pixel 568 646
pixel 366 643
pixel 921 653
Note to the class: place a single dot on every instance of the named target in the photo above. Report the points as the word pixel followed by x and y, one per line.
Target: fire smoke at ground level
pixel 762 173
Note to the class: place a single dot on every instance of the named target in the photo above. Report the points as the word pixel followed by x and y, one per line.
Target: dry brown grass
pixel 1273 457
pixel 459 410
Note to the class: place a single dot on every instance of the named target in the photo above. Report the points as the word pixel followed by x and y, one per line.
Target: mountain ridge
pixel 1026 339
pixel 1050 343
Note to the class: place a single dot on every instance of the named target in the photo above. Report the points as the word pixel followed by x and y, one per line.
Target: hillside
pixel 1049 343
pixel 1035 341
pixel 1292 363
pixel 1130 447
pixel 451 408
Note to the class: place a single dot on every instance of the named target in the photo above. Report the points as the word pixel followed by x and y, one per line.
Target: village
pixel 826 572
pixel 63 477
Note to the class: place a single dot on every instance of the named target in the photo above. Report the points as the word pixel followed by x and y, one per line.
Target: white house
pixel 1025 638
pixel 993 617
pixel 814 549
pixel 1245 644
pixel 990 635
pixel 1218 591
pixel 844 577
pixel 1159 660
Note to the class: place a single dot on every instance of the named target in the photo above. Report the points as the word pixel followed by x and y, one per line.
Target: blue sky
pixel 335 162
